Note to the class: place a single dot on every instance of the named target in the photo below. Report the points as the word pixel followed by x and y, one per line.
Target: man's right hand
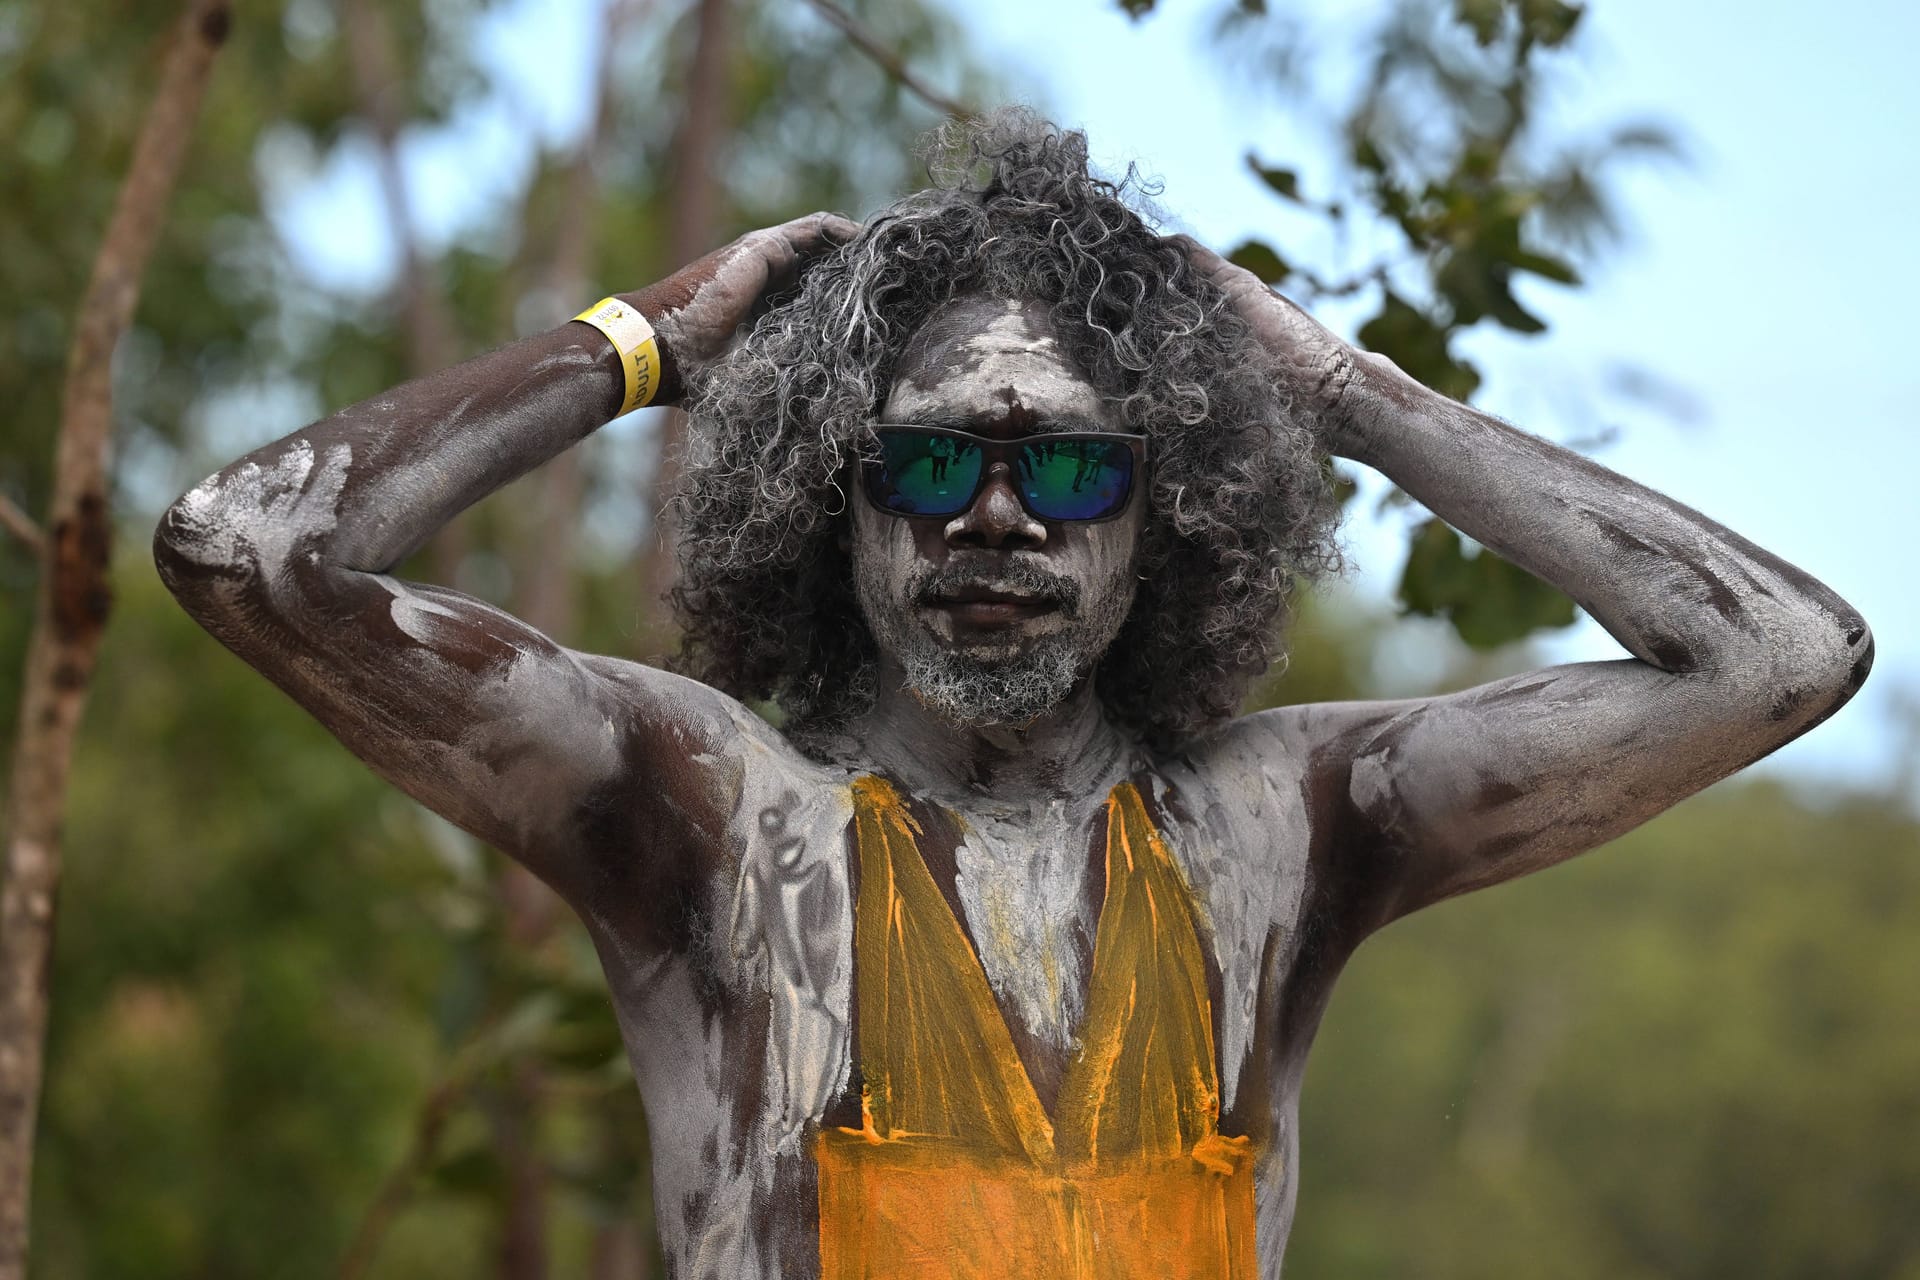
pixel 698 308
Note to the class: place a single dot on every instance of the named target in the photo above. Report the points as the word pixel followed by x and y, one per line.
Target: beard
pixel 977 693
pixel 997 678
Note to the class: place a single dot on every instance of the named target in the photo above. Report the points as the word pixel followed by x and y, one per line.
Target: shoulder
pixel 705 790
pixel 1274 794
pixel 1236 804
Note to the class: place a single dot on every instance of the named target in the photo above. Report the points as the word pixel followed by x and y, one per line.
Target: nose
pixel 996 518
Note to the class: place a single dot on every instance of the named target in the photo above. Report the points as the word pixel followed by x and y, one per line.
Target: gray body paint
pixel 709 858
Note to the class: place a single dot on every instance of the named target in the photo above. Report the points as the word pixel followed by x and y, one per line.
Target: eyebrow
pixel 1050 424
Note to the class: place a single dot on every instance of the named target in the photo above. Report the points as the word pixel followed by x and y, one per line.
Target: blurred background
pixel 302 1028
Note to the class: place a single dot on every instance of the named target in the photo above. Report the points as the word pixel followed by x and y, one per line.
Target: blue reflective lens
pixel 1075 479
pixel 923 471
pixel 926 474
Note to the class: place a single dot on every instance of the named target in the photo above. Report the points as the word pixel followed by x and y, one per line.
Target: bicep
pixel 1439 796
pixel 473 713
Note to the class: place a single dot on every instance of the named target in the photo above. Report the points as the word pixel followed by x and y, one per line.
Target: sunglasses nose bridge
pixel 996 516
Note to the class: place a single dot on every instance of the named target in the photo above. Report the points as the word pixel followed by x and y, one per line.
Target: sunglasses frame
pixel 995 452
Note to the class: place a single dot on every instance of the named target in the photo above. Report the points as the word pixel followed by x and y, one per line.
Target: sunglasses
pixel 935 471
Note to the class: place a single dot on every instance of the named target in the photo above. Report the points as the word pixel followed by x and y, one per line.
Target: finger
pixel 790 247
pixel 819 231
pixel 836 228
pixel 1204 260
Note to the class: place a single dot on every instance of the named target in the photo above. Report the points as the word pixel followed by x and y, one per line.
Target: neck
pixel 1071 752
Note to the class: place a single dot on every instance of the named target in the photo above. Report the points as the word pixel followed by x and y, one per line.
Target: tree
pixel 188 1027
pixel 71 606
pixel 1442 148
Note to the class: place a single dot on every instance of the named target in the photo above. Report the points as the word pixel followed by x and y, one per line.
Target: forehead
pixel 992 363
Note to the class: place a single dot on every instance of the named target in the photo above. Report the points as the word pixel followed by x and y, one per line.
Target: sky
pixel 1768 281
pixel 1772 279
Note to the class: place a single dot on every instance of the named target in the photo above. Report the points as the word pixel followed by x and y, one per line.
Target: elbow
pixel 220 550
pixel 1853 665
pixel 199 553
pixel 246 533
pixel 1820 668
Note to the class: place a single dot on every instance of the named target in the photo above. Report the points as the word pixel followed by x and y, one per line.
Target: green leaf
pixel 1436 576
pixel 1489 601
pixel 1262 260
pixel 1550 22
pixel 1547 266
pixel 1368 157
pixel 1412 340
pixel 1505 309
pixel 1482 17
pixel 1137 9
pixel 1477 286
pixel 1284 182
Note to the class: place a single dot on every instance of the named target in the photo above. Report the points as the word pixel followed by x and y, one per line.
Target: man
pixel 1003 958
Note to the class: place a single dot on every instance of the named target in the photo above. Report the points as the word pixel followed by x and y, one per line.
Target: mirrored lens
pixel 923 474
pixel 1075 479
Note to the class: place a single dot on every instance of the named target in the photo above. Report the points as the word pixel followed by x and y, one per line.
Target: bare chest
pixel 753 1045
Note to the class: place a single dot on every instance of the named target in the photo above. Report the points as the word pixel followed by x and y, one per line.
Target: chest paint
pixel 957 1168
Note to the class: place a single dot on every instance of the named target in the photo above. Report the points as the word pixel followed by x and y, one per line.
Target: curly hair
pixel 1240 507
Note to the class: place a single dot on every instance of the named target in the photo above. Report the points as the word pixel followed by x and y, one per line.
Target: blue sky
pixel 1772 279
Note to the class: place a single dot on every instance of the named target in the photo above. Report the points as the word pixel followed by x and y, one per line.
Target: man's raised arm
pixel 286 557
pixel 1735 651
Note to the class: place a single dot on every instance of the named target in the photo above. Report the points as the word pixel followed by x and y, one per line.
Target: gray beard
pixel 978 693
pixel 1012 687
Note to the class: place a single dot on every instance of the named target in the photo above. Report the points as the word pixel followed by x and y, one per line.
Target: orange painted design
pixel 956 1170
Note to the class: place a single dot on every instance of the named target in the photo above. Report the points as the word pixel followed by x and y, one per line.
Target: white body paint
pixel 1021 879
pixel 710 859
pixel 1242 844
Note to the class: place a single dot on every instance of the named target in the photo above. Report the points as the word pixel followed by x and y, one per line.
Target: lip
pixel 982 607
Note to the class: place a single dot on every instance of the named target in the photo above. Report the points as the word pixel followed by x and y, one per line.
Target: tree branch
pixel 70 611
pixel 693 206
pixel 21 525
pixel 398 1187
pixel 889 61
pixel 427 322
pixel 377 88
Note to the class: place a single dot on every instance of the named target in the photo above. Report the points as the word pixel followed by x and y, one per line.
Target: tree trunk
pixel 619 1253
pixel 546 586
pixel 427 324
pixel 691 231
pixel 71 606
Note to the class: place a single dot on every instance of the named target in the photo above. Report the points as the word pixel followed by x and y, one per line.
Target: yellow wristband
pixel 639 350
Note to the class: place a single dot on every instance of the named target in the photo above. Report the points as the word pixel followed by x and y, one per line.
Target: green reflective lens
pixel 935 471
pixel 926 474
pixel 1075 479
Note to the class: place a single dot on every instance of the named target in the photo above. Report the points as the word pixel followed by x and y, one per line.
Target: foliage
pixel 1488 601
pixel 1691 1054
pixel 283 993
pixel 1442 148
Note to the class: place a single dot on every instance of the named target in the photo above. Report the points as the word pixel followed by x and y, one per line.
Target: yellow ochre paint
pixel 956 1170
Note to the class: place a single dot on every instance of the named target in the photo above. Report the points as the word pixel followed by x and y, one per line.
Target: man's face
pixel 993 615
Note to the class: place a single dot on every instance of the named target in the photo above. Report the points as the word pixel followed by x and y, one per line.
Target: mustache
pixel 1015 576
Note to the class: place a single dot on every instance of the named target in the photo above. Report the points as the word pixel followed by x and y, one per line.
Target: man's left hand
pixel 1316 364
